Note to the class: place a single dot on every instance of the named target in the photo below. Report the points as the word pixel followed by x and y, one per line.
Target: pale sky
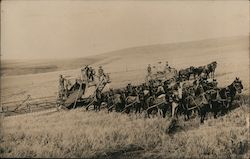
pixel 60 29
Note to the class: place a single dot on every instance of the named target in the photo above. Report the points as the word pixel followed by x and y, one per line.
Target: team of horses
pixel 177 96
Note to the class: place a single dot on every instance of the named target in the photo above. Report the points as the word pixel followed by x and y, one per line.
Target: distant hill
pixel 179 54
pixel 22 67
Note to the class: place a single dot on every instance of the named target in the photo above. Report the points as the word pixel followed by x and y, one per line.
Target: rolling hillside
pixel 129 65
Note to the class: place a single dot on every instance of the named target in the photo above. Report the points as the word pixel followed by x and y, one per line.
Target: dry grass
pixel 78 133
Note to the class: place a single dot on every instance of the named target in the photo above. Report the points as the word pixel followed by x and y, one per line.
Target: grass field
pixel 78 133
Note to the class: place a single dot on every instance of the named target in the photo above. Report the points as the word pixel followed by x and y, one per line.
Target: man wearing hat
pixel 87 71
pixel 100 72
pixel 129 89
pixel 167 68
pixel 203 75
pixel 91 74
pixel 84 73
pixel 61 87
pixel 149 70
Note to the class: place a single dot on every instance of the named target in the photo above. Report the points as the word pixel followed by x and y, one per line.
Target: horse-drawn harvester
pixel 83 92
pixel 163 91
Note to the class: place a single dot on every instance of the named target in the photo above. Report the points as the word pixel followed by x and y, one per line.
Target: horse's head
pixel 200 87
pixel 191 68
pixel 237 84
pixel 208 95
pixel 214 63
pixel 191 91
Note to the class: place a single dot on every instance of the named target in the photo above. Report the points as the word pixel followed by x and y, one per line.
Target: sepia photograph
pixel 125 79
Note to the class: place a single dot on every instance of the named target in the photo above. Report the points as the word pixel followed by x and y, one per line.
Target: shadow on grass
pixel 128 152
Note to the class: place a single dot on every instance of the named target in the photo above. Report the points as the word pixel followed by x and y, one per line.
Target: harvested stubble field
pixel 78 133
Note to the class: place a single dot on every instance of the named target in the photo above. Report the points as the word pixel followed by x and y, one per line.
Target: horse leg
pixel 164 114
pixel 215 114
pixel 140 108
pixel 99 106
pixel 188 115
pixel 177 111
pixel 148 113
pixel 215 109
pixel 128 110
pixel 173 109
pixel 202 118
pixel 202 114
pixel 137 108
pixel 160 111
pixel 164 111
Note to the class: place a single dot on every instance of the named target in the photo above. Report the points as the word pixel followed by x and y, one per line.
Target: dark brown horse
pixel 198 104
pixel 198 70
pixel 223 98
pixel 158 104
pixel 185 74
pixel 211 69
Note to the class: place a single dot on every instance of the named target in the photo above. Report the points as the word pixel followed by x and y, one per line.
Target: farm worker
pixel 91 74
pixel 129 88
pixel 178 90
pixel 100 72
pixel 158 69
pixel 180 86
pixel 67 85
pixel 196 83
pixel 84 74
pixel 149 73
pixel 149 70
pixel 111 92
pixel 87 71
pixel 167 67
pixel 61 86
pixel 76 85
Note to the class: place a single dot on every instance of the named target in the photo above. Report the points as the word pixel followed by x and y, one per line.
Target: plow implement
pixel 28 105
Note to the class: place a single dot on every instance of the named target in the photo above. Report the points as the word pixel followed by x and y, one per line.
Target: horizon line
pixel 90 56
